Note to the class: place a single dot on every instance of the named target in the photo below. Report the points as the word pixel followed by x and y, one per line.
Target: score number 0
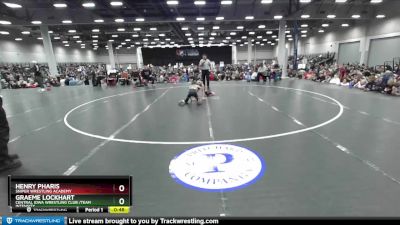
pixel 121 188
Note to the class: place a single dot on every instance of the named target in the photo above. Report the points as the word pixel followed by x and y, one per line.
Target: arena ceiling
pixel 130 23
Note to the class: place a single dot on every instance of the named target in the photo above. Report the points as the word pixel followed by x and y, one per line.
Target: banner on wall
pixel 186 55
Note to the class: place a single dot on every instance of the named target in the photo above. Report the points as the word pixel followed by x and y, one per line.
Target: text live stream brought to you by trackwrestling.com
pixel 60 220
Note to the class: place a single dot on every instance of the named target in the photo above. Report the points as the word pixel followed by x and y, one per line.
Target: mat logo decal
pixel 217 167
pixel 9 220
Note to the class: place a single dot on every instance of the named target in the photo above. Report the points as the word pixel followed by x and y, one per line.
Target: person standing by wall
pixel 7 161
pixel 205 67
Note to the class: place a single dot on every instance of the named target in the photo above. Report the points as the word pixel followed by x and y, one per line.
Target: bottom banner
pixel 140 221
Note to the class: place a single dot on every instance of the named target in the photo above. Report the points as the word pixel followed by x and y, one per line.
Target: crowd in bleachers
pixel 383 79
pixel 14 76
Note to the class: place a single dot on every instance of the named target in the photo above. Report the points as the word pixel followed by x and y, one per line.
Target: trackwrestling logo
pixel 217 167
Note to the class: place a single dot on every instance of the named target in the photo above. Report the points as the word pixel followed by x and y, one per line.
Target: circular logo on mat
pixel 217 167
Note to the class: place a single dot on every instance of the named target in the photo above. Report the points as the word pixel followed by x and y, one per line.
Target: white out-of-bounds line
pixel 14 139
pixel 274 108
pixel 76 165
pixel 210 127
pixel 390 121
pixel 368 163
pixel 40 128
pixel 364 113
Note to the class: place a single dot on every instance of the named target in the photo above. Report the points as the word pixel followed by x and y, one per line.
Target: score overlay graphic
pixel 77 194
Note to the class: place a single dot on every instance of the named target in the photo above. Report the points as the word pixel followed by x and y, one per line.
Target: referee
pixel 205 67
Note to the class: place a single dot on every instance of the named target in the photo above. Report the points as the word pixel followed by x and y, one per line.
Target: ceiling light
pixel 213 34
pixel 188 34
pixel 4 32
pixel 269 32
pixel 305 1
pixel 200 18
pixel 345 25
pixel 139 19
pixel 380 16
pixel 88 4
pixel 95 36
pixel 331 16
pixel 57 38
pixel 67 21
pixel 72 31
pixel 137 29
pixel 252 32
pixel 95 30
pixel 185 28
pixel 12 5
pixel 135 35
pixel 172 2
pixel 261 26
pixel 60 5
pixel 219 18
pixel 36 22
pixel 226 2
pixel 321 31
pixel 239 27
pixel 4 22
pixel 274 36
pixel 153 28
pixel 304 35
pixel 278 17
pixel 25 32
pixel 161 35
pixel 39 38
pixel 75 37
pixel 67 45
pixel 232 33
pixel 266 1
pixel 304 25
pixel 355 16
pixel 120 20
pixel 325 25
pixel 249 17
pixel 180 18
pixel 303 31
pixel 18 39
pixel 202 28
pixel 199 2
pixel 121 29
pixel 79 42
pixel 148 35
pixel 95 41
pixel 376 1
pixel 111 40
pixel 99 21
pixel 114 35
pixel 116 3
pixel 340 1
pixel 305 16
